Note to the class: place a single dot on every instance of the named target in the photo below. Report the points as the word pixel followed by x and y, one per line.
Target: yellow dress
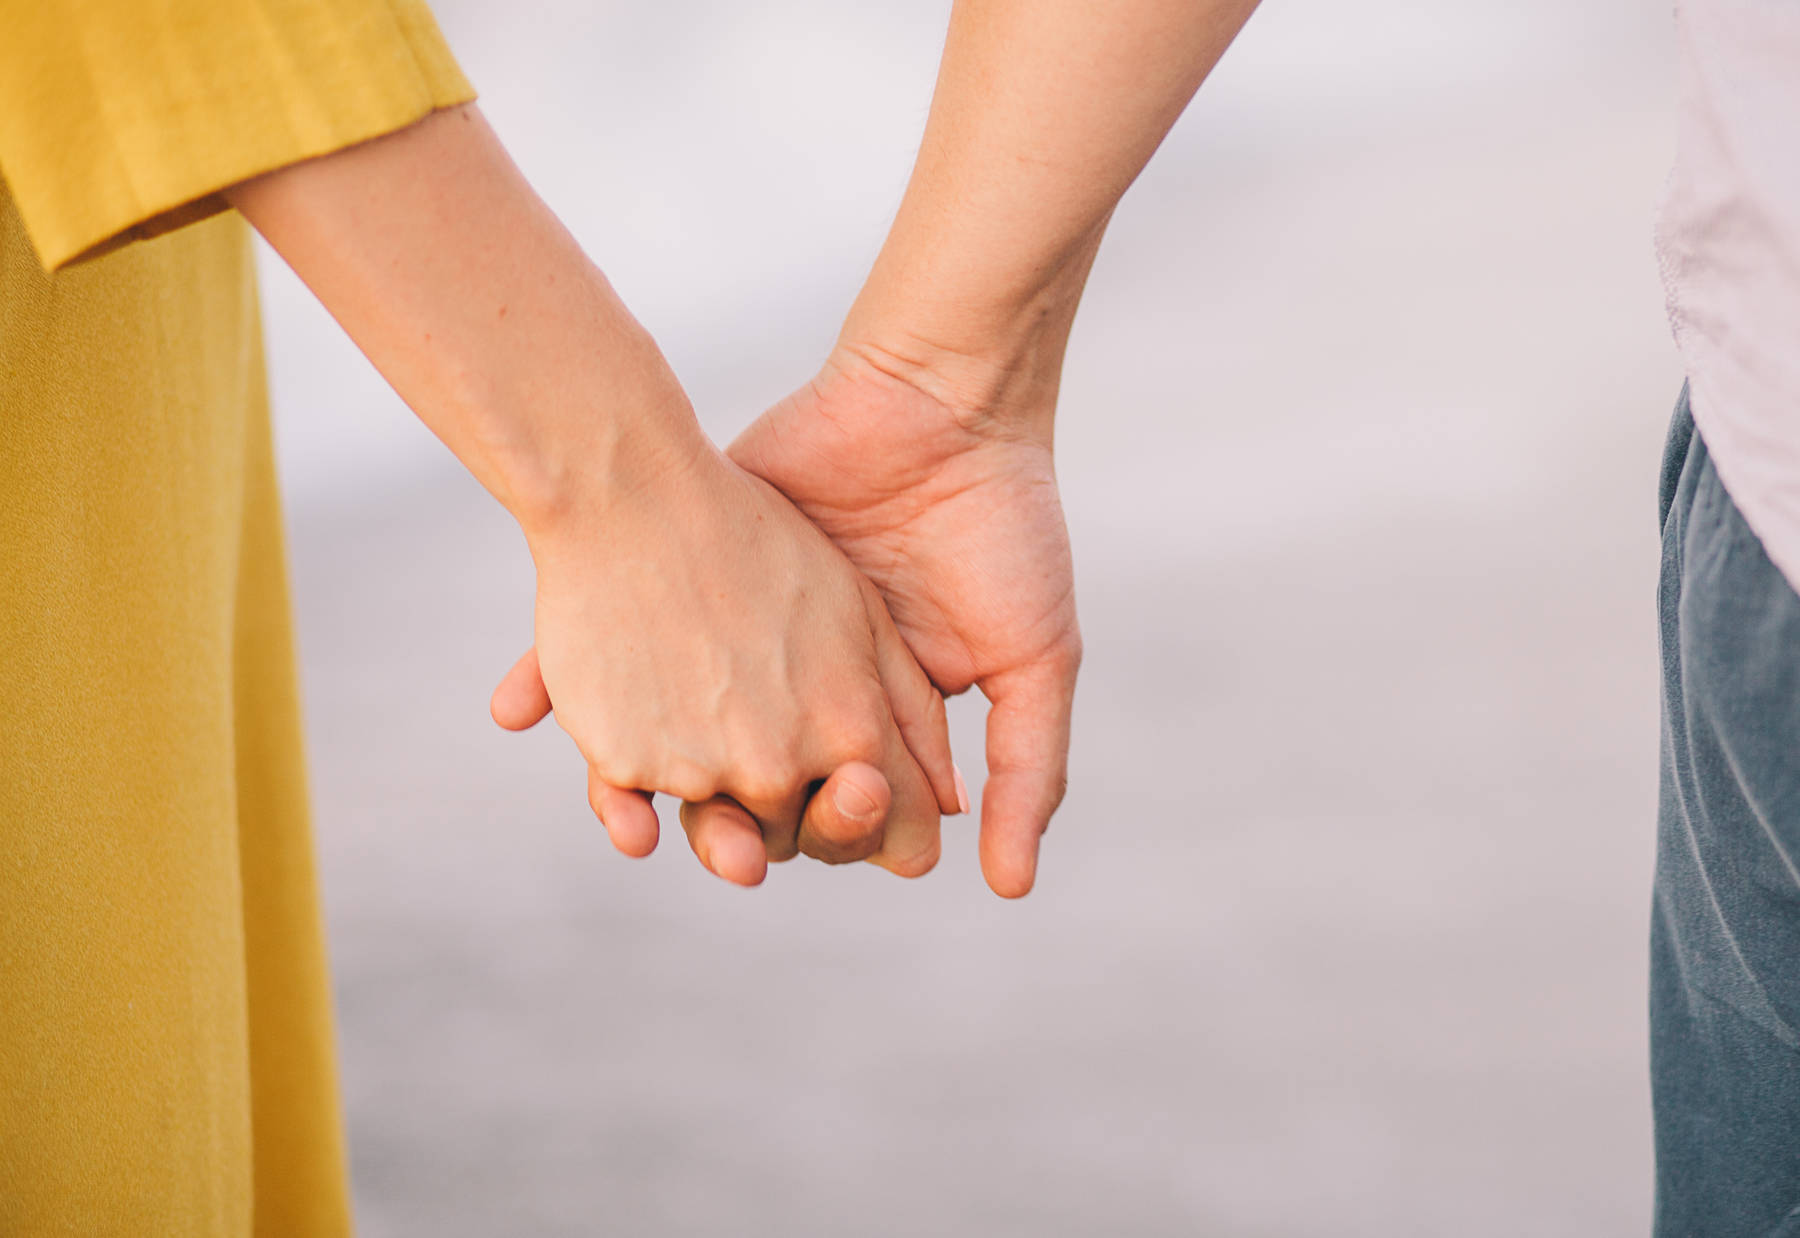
pixel 166 1059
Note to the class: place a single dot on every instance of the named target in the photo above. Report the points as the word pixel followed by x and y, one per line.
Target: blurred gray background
pixel 1341 930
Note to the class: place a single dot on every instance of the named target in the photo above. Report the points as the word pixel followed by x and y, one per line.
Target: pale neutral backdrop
pixel 1341 931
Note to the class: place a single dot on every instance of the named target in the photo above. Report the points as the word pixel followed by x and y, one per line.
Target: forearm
pixel 1045 112
pixel 468 295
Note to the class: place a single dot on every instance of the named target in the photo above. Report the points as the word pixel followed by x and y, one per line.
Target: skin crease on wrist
pixel 924 445
pixel 699 636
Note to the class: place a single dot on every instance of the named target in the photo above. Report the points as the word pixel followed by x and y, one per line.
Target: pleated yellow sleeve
pixel 122 119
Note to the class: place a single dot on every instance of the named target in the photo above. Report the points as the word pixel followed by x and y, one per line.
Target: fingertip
pixel 1014 818
pixel 506 713
pixel 628 816
pixel 847 818
pixel 859 793
pixel 726 841
pixel 951 793
pixel 739 859
pixel 1011 877
pixel 520 701
pixel 635 841
pixel 1028 767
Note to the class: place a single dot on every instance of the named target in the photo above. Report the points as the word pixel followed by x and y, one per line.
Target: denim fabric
pixel 1725 936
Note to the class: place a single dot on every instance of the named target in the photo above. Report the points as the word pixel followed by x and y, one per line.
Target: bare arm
pixel 1044 114
pixel 924 446
pixel 695 633
pixel 475 303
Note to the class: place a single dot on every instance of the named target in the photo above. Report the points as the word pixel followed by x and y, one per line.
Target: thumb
pixel 1028 765
pixel 521 701
pixel 846 818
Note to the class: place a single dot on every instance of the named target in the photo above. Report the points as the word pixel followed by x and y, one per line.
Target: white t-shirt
pixel 1728 240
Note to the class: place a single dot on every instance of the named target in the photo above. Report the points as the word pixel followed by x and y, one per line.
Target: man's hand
pixel 923 448
pixel 955 517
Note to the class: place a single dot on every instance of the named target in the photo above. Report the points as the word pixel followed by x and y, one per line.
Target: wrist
pixel 988 342
pixel 557 400
pixel 1002 379
pixel 482 311
pixel 582 471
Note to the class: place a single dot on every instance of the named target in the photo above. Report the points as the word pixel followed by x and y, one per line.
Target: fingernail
pixel 853 802
pixel 962 790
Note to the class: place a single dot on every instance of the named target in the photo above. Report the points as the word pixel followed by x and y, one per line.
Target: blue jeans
pixel 1725 936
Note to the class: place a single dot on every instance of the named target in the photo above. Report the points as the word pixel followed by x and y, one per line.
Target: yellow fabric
pixel 122 118
pixel 166 1062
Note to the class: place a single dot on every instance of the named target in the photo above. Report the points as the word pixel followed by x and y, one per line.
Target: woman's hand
pixel 699 637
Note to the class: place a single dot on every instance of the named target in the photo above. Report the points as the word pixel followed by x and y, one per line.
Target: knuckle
pixel 626 775
pixel 766 780
pixel 687 780
pixel 858 735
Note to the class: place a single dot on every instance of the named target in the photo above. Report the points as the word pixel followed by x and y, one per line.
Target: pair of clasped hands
pixel 768 633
